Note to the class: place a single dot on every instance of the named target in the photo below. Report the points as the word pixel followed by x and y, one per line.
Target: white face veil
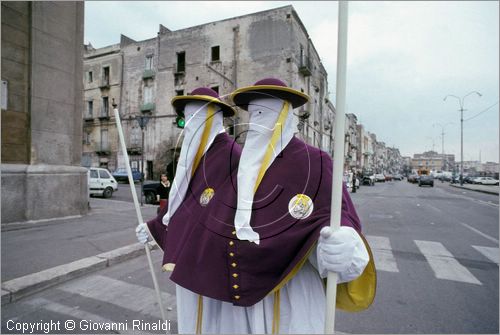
pixel 203 122
pixel 271 127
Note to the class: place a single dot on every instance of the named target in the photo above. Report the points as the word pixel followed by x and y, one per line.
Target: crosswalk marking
pixel 77 313
pixel 490 253
pixel 134 297
pixel 382 253
pixel 444 265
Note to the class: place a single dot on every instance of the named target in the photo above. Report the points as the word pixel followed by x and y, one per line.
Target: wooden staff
pixel 338 158
pixel 136 204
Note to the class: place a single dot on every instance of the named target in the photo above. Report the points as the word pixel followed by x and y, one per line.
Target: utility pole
pixel 461 103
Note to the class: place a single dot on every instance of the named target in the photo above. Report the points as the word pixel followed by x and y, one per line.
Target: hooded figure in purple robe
pixel 253 259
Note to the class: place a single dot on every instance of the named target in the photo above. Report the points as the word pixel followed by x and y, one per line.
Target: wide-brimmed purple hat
pixel 268 87
pixel 201 94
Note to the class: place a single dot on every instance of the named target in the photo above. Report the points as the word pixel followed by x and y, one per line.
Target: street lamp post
pixel 143 121
pixel 461 103
pixel 442 141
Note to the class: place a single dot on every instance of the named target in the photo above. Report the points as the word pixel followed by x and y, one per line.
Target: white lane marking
pixel 444 265
pixel 490 253
pixel 382 253
pixel 130 296
pixel 488 237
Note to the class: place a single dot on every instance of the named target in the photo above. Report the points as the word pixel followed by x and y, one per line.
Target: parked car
pixel 485 181
pixel 121 175
pixel 368 180
pixel 426 180
pixel 149 192
pixel 101 183
pixel 413 178
pixel 469 179
pixel 388 177
pixel 379 177
pixel 397 177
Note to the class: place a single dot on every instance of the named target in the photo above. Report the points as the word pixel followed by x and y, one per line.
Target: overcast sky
pixel 403 59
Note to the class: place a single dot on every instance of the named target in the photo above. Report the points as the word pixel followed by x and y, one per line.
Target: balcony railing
pixel 147 107
pixel 148 74
pixel 104 83
pixel 305 66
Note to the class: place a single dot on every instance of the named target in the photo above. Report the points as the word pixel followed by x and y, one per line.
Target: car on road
pixel 426 180
pixel 413 178
pixel 121 175
pixel 397 177
pixel 149 192
pixel 379 177
pixel 485 181
pixel 388 177
pixel 101 183
pixel 368 180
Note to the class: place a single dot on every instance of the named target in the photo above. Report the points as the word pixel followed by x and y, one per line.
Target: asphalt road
pixel 430 246
pixel 436 251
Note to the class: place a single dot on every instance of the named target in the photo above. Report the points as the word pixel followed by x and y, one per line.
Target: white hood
pixel 271 127
pixel 203 122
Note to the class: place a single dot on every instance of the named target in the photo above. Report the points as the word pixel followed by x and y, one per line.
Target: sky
pixel 403 59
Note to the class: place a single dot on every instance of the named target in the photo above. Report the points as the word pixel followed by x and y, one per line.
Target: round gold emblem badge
pixel 300 206
pixel 206 196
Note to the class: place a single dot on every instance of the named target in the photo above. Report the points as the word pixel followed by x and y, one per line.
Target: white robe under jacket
pixel 302 309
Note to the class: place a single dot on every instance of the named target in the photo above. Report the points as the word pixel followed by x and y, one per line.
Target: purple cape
pixel 211 261
pixel 218 163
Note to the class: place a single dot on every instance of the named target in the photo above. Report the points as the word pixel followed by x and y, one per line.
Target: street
pixel 436 251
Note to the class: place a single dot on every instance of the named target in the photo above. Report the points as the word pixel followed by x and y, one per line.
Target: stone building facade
pixel 224 55
pixel 41 111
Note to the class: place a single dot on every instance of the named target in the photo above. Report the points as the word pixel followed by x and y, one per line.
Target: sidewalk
pixel 37 255
pixel 489 189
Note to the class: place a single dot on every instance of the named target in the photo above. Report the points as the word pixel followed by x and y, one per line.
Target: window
pixel 179 92
pixel 216 89
pixel 90 108
pixel 149 62
pixel 181 61
pixel 104 139
pixel 86 137
pixel 135 136
pixel 215 53
pixel 93 174
pixel 106 75
pixel 90 77
pixel 105 106
pixel 148 94
pixel 104 174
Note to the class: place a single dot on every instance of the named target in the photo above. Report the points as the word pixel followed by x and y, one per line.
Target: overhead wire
pixel 472 117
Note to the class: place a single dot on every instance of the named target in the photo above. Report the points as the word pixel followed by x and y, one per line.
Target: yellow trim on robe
pixel 278 128
pixel 204 138
pixel 168 267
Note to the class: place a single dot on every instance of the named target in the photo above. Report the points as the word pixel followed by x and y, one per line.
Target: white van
pixel 101 182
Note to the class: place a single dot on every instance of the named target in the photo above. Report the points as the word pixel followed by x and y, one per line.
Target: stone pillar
pixel 42 68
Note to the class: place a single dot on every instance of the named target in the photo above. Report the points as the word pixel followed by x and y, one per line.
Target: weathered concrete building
pixel 224 55
pixel 41 111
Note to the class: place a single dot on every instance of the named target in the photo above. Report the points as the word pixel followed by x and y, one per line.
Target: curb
pixel 15 289
pixel 476 190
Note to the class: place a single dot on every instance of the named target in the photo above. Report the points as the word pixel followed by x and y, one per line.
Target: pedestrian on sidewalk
pixel 162 192
pixel 250 256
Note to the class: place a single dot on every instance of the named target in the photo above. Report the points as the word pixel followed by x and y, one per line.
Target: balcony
pixel 104 84
pixel 133 150
pixel 104 116
pixel 148 107
pixel 147 74
pixel 103 150
pixel 305 67
pixel 88 119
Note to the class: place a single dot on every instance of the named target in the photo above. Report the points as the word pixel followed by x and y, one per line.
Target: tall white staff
pixel 136 204
pixel 338 157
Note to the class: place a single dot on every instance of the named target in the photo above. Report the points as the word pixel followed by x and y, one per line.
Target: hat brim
pixel 242 96
pixel 179 103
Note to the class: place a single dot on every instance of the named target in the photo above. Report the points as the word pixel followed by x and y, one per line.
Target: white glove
pixel 342 252
pixel 142 233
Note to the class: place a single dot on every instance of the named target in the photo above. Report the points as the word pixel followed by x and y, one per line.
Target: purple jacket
pixel 211 261
pixel 219 162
